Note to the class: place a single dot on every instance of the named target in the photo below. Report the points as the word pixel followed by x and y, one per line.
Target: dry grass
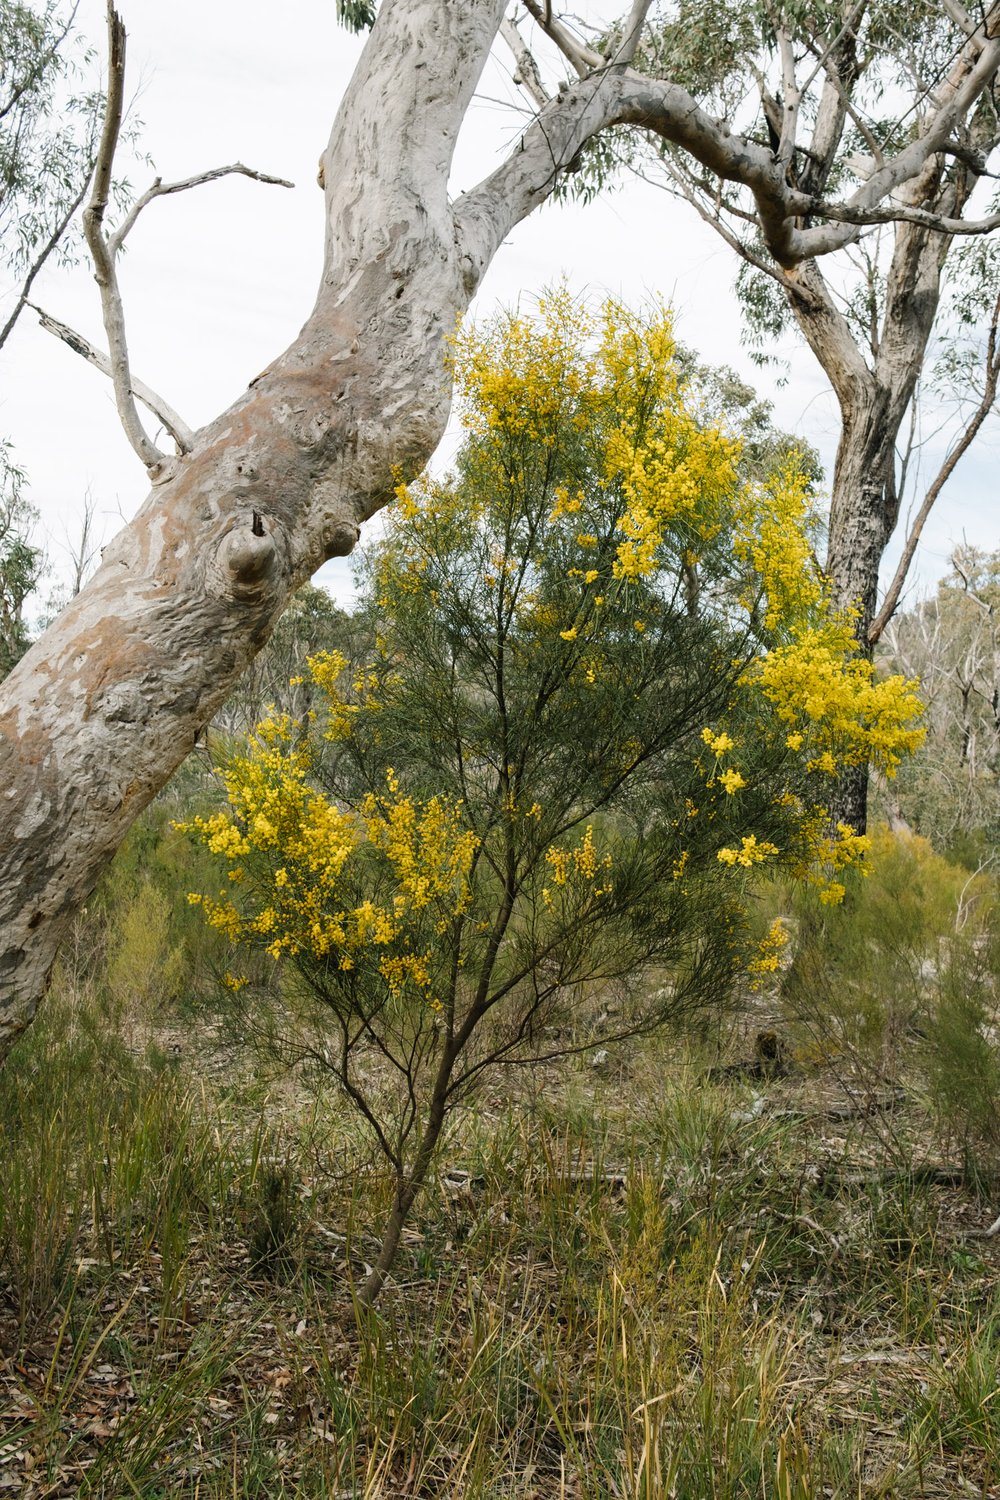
pixel 628 1282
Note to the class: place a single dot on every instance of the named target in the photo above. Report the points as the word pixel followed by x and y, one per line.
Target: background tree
pixel 102 709
pixel 952 641
pixel 48 137
pixel 836 93
pixel 604 687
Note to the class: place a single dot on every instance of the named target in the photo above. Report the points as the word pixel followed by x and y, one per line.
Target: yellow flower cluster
pixel 583 862
pixel 717 743
pixel 299 896
pixel 749 853
pixel 769 953
pixel 428 848
pixel 831 700
pixel 771 523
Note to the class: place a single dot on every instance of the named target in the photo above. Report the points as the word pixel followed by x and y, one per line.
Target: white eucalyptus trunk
pixel 107 704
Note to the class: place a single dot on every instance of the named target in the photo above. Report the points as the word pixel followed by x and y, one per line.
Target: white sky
pixel 219 280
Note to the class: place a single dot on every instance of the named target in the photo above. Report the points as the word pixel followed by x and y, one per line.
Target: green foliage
pixel 47 131
pixel 356 15
pixel 21 563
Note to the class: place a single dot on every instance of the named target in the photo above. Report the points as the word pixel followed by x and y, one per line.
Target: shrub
pixel 604 692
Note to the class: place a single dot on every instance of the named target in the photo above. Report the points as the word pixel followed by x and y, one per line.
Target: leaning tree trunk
pixel 103 709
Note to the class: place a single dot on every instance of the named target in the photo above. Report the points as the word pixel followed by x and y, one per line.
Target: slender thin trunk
pixel 408 1184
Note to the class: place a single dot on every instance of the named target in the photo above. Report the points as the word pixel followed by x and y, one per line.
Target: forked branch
pixel 161 189
pixel 104 261
pixel 105 248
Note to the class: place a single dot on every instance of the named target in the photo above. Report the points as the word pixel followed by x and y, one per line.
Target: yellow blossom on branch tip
pixel 717 743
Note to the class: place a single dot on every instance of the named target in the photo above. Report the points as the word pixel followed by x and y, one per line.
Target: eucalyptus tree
pixel 836 92
pixel 107 703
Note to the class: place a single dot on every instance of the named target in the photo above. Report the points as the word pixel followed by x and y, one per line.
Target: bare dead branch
pixel 161 189
pixel 178 429
pixel 104 265
pixel 527 74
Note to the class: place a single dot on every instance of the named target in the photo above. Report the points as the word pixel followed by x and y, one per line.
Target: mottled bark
pixel 106 705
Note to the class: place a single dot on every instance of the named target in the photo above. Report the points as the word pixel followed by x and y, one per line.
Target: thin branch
pixel 43 255
pixel 161 189
pixel 104 266
pixel 848 27
pixel 35 72
pixel 891 601
pixel 178 429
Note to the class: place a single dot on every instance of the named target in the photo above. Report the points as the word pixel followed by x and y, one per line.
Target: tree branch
pixel 43 255
pixel 104 265
pixel 626 50
pixel 527 74
pixel 842 213
pixel 791 97
pixel 161 189
pixel 616 96
pixel 178 429
pixel 607 94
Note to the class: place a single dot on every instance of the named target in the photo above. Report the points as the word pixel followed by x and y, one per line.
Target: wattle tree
pixel 97 716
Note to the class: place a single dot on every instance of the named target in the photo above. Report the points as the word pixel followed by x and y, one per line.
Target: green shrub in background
pixel 899 984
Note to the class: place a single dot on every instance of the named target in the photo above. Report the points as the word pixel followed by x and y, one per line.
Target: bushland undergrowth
pixel 678 1271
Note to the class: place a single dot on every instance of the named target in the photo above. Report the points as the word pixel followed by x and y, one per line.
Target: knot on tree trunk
pixel 246 564
pixel 341 540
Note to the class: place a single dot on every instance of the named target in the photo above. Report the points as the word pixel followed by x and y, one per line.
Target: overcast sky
pixel 219 280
